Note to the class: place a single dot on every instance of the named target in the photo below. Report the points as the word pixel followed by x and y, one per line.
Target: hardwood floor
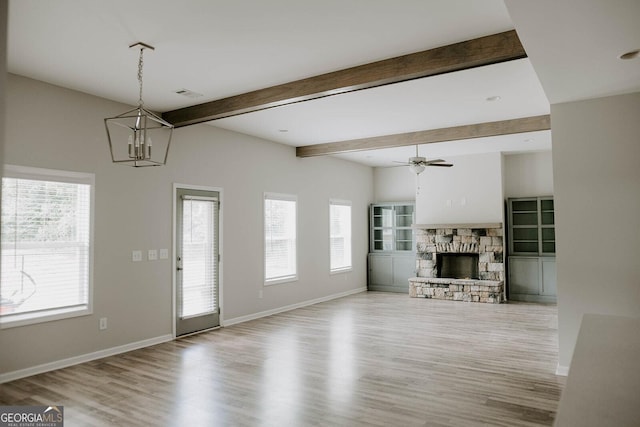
pixel 370 359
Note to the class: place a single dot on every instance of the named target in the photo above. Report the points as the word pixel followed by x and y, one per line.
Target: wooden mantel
pixel 470 225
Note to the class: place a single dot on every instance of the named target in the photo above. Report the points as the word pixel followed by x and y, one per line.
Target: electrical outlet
pixel 136 256
pixel 152 255
pixel 103 323
pixel 164 253
pixel 260 293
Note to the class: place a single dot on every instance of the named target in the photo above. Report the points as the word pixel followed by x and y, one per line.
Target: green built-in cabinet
pixel 392 257
pixel 532 249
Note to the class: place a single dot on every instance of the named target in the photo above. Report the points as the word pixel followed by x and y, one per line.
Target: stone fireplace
pixel 460 262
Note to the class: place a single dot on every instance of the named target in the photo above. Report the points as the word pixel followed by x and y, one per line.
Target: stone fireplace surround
pixel 486 240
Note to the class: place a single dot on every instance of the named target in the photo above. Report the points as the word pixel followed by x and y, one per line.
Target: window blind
pixel 199 254
pixel 340 235
pixel 280 237
pixel 45 236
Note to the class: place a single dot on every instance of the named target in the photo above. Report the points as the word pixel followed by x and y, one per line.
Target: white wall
pixel 394 185
pixel 528 174
pixel 3 69
pixel 596 152
pixel 56 128
pixel 468 192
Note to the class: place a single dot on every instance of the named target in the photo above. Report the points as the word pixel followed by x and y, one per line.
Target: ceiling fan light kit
pixel 417 164
pixel 138 137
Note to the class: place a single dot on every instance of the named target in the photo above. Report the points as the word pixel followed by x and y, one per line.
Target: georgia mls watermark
pixel 31 416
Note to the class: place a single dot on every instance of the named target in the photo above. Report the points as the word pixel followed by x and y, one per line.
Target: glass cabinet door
pixel 404 216
pixel 383 216
pixel 404 240
pixel 547 225
pixel 524 217
pixel 391 227
pixel 404 233
pixel 383 228
pixel 383 239
pixel 532 228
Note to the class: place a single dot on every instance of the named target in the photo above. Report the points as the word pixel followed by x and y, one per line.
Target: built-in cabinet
pixel 392 259
pixel 532 279
pixel 532 247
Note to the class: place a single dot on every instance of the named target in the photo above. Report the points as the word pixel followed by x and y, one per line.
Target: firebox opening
pixel 457 265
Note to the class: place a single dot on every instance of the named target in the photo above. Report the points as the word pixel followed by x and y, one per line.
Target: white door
pixel 197 260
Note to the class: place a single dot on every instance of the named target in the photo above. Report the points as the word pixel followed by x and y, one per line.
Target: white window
pixel 280 260
pixel 340 235
pixel 46 237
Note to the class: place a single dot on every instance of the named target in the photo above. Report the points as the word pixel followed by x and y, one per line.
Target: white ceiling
pixel 223 48
pixel 575 45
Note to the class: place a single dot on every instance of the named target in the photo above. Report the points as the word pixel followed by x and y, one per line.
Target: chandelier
pixel 139 137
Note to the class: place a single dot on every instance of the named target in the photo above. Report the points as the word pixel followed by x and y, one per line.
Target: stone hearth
pixel 456 289
pixel 486 240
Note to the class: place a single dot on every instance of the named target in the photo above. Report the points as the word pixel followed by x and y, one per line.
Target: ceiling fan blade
pixel 402 163
pixel 444 165
pixel 435 161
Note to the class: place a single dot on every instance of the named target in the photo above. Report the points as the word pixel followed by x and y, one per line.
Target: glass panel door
pixel 383 228
pixel 524 217
pixel 197 261
pixel 547 222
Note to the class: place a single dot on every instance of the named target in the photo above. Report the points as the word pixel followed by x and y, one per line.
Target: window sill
pixel 281 280
pixel 15 320
pixel 341 270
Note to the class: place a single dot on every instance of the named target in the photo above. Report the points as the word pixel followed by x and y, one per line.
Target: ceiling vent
pixel 188 93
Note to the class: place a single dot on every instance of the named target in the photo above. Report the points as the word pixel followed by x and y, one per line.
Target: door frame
pixel 174 243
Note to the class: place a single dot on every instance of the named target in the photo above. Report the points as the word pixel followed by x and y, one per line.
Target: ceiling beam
pixel 473 53
pixel 478 130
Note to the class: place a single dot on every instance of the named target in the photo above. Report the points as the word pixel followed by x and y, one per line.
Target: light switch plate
pixel 164 253
pixel 152 255
pixel 136 256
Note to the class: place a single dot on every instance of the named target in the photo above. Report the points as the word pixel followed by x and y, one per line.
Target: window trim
pixel 349 268
pixel 52 314
pixel 280 279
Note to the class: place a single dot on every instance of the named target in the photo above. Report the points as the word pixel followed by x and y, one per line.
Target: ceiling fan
pixel 417 163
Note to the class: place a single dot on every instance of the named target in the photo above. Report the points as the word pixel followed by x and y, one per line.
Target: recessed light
pixel 494 98
pixel 630 55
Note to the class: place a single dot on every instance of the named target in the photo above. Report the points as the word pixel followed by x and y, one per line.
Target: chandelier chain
pixel 140 63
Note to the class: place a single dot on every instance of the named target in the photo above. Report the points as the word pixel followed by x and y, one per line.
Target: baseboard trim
pixel 562 370
pixel 290 307
pixel 64 363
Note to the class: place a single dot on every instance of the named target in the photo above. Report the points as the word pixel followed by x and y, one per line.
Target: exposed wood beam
pixel 478 52
pixel 478 130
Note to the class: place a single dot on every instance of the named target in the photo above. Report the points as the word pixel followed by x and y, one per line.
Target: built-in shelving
pixel 532 247
pixel 392 253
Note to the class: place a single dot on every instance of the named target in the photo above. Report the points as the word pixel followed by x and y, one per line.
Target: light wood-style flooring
pixel 370 359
